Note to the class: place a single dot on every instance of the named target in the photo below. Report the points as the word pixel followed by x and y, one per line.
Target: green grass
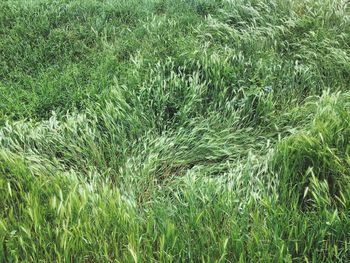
pixel 174 131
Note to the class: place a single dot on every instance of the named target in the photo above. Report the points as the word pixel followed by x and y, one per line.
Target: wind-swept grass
pixel 174 131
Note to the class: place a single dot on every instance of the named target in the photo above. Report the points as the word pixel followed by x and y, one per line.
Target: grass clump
pixel 320 152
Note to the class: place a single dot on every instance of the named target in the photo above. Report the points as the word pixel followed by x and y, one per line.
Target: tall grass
pixel 174 131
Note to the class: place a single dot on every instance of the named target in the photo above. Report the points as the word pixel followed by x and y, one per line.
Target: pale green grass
pixel 174 131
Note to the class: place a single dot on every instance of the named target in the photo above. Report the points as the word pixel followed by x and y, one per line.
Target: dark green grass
pixel 174 131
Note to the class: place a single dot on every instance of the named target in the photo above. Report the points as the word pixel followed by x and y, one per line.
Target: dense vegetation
pixel 174 131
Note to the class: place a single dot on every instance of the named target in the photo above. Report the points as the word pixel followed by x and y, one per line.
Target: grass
pixel 174 131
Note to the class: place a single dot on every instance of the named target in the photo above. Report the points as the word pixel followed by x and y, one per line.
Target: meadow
pixel 174 131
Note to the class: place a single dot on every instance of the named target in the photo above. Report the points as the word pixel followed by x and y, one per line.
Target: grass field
pixel 174 131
